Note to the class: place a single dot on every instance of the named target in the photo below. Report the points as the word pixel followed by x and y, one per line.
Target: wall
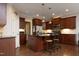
pixel 12 26
pixel 28 19
pixel 10 29
pixel 77 28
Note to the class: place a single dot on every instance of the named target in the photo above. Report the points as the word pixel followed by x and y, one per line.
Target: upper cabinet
pixel 3 11
pixel 69 22
pixel 37 22
pixel 48 25
pixel 56 21
pixel 22 23
pixel 37 25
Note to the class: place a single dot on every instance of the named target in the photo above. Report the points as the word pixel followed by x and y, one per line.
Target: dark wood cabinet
pixel 56 21
pixel 69 22
pixel 22 23
pixel 68 39
pixel 36 43
pixel 53 22
pixel 7 46
pixel 22 35
pixel 37 22
pixel 22 38
pixel 48 25
pixel 3 15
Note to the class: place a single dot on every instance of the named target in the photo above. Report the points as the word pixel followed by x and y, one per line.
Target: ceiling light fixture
pixel 66 10
pixel 53 14
pixel 43 19
pixel 49 11
pixel 37 14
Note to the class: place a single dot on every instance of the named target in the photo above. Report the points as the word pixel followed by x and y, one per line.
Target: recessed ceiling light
pixel 66 10
pixel 53 14
pixel 37 14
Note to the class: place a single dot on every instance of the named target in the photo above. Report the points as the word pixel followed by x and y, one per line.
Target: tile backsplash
pixel 68 31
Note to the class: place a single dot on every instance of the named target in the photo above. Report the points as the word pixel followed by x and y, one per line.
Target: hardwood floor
pixel 65 50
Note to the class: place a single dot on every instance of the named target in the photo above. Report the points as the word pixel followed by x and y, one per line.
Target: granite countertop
pixel 3 37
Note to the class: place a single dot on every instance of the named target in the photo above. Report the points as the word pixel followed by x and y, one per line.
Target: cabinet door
pixel 37 22
pixel 12 49
pixel 2 14
pixel 22 23
pixel 22 38
pixel 67 39
pixel 69 22
pixel 56 21
pixel 48 25
pixel 7 47
pixel 53 22
pixel 4 47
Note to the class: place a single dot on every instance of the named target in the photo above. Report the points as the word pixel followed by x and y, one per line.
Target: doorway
pixel 22 35
pixel 25 30
pixel 28 28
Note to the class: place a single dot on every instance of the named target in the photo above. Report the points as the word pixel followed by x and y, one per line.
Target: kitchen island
pixel 37 43
pixel 7 46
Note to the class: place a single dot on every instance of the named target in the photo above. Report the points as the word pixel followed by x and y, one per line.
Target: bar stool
pixel 49 44
pixel 56 44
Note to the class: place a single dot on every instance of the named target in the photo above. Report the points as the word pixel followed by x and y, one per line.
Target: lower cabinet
pixel 22 39
pixel 68 39
pixel 35 43
pixel 7 46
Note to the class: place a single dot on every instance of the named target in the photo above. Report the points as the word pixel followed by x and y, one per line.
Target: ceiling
pixel 32 9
